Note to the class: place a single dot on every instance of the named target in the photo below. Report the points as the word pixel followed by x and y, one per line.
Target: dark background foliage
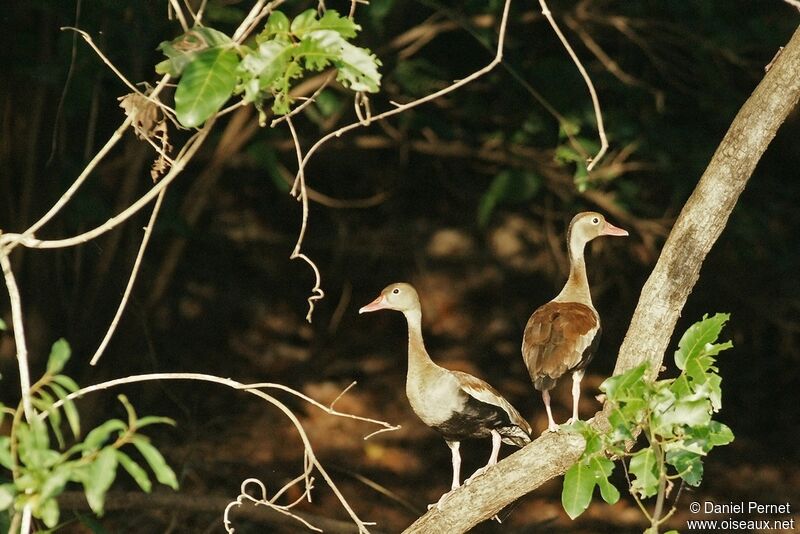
pixel 466 197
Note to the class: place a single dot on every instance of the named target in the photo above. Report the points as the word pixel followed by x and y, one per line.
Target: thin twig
pixel 186 154
pixel 595 101
pixel 317 292
pixel 148 230
pixel 362 526
pixel 327 409
pixel 151 97
pixel 299 191
pixel 176 8
pixel 19 336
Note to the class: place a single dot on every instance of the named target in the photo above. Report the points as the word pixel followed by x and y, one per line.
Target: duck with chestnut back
pixel 562 335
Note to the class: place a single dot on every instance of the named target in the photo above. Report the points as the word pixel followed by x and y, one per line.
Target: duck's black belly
pixel 476 419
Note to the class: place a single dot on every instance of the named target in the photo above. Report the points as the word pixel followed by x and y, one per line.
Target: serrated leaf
pixel 266 65
pixel 358 69
pixel 135 471
pixel 643 467
pixel 688 464
pixel 95 439
pixel 304 23
pixel 576 493
pixel 164 474
pixel 719 434
pixel 277 27
pixel 344 26
pixel 207 83
pixel 59 355
pixel 185 48
pixel 696 338
pixel 98 477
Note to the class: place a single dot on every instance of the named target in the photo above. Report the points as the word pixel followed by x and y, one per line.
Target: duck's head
pixel 587 225
pixel 399 296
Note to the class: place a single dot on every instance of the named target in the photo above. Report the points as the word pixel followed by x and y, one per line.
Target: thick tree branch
pixel 700 223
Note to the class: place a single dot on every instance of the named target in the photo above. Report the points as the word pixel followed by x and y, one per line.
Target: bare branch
pixel 148 230
pixel 252 389
pixel 595 101
pixel 19 335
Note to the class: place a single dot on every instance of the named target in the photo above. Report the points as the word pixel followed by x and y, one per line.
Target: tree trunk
pixel 700 223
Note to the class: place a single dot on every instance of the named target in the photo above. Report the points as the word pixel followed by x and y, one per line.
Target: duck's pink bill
pixel 375 305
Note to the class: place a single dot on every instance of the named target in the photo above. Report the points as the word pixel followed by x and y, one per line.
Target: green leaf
pixel 719 434
pixel 305 22
pixel 59 355
pixel 66 382
pixel 265 66
pixel 688 464
pixel 344 26
pixel 643 467
pixel 164 474
pixel 98 478
pixel 154 420
pixel 3 325
pixel 602 468
pixel 95 439
pixel 698 337
pixel 615 385
pixel 7 492
pixel 277 27
pixel 185 48
pixel 55 481
pixel 5 453
pixel 508 186
pixel 48 512
pixel 137 473
pixel 207 83
pixel 358 69
pixel 577 491
pixel 69 409
pixel 128 409
pixel 43 401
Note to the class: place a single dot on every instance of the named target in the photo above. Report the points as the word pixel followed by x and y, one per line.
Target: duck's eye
pixel 595 220
pixel 396 291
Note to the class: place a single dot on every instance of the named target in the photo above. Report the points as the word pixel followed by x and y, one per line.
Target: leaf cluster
pixel 212 67
pixel 40 472
pixel 674 416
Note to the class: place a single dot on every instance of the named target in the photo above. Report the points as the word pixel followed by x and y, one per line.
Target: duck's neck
pixel 418 358
pixel 577 287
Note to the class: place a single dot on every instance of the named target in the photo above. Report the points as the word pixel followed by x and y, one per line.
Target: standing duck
pixel 562 335
pixel 455 404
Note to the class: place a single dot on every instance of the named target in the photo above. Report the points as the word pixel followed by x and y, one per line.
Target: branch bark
pixel 663 296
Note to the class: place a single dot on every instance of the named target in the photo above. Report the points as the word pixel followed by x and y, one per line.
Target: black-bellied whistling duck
pixel 455 404
pixel 562 335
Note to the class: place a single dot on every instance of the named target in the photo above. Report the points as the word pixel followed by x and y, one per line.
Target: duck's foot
pixel 476 474
pixel 444 497
pixel 572 420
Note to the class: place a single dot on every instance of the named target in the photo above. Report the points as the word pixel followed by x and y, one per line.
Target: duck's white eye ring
pixel 595 220
pixel 396 290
